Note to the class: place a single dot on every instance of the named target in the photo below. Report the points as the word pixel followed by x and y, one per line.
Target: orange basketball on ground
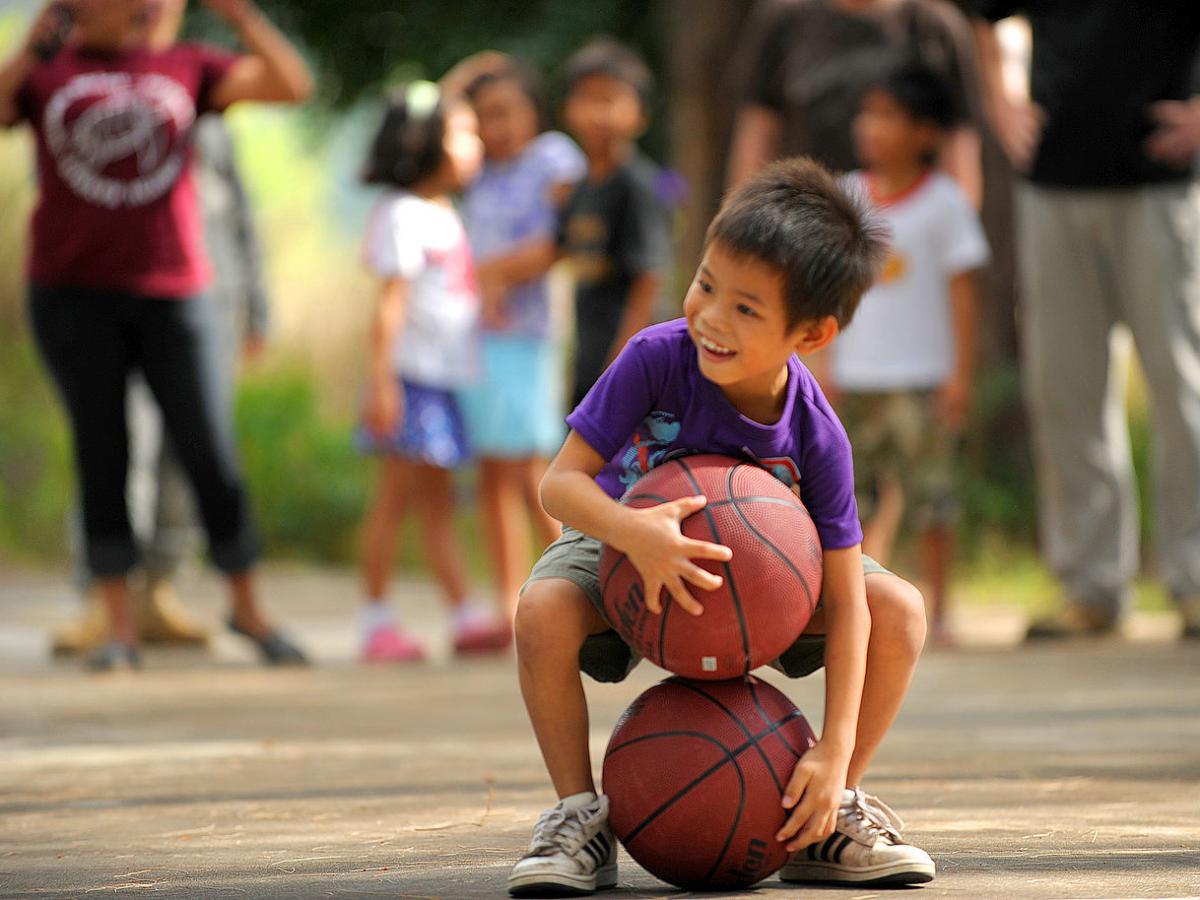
pixel 771 585
pixel 695 772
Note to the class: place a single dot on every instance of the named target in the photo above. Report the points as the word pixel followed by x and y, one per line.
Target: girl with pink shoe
pixel 422 350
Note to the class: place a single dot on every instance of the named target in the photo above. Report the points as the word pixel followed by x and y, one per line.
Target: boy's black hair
pixel 604 56
pixel 922 92
pixel 409 145
pixel 795 217
pixel 524 76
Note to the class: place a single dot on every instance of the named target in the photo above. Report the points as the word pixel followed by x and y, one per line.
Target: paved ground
pixel 1065 773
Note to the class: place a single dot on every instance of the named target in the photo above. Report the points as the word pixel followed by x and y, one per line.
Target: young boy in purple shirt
pixel 785 263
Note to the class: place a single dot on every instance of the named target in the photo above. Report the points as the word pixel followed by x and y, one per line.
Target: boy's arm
pixel 815 790
pixel 650 537
pixel 954 397
pixel 639 309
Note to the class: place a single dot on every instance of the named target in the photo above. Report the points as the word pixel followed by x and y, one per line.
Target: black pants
pixel 92 340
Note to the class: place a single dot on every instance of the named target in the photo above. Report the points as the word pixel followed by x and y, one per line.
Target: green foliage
pixel 360 46
pixel 308 484
pixel 36 481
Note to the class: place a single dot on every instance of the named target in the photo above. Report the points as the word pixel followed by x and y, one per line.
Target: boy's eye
pixel 704 285
pixel 746 310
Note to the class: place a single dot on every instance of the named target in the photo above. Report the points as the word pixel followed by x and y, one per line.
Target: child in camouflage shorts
pixel 903 369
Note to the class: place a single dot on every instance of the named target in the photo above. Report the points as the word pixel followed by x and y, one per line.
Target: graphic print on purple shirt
pixel 653 404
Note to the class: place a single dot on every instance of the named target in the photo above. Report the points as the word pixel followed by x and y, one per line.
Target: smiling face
pixel 737 317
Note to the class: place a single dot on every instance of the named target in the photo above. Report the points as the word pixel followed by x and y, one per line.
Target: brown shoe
pixel 85 633
pixel 1073 620
pixel 161 618
pixel 1189 608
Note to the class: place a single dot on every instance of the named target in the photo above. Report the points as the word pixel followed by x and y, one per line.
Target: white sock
pixel 469 612
pixel 575 801
pixel 375 614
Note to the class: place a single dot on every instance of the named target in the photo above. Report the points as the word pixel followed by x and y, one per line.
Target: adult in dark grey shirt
pixel 806 64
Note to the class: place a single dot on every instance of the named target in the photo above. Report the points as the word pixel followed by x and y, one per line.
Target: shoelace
pixel 557 830
pixel 865 818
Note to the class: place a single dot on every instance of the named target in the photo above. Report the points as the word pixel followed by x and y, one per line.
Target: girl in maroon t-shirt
pixel 117 267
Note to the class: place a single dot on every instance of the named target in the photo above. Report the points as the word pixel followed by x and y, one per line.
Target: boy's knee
pixel 548 618
pixel 898 608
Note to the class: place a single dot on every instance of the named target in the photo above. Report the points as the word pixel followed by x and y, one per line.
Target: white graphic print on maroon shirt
pixel 117 138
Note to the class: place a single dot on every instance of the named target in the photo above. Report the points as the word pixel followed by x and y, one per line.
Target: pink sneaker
pixel 389 644
pixel 486 636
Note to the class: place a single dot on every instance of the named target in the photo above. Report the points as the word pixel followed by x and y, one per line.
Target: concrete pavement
pixel 1059 772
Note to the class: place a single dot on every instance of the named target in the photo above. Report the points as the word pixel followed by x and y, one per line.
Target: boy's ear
pixel 813 334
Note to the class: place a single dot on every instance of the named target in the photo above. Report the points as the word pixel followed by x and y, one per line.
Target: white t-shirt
pixel 902 336
pixel 424 243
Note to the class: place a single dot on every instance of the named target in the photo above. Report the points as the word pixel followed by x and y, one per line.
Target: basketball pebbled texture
pixel 771 585
pixel 695 772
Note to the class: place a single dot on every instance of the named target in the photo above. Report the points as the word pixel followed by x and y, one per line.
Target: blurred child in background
pixel 423 348
pixel 614 228
pixel 514 414
pixel 903 370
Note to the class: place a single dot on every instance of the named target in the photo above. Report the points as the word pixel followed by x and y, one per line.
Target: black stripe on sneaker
pixel 812 851
pixel 603 842
pixel 827 847
pixel 837 854
pixel 594 851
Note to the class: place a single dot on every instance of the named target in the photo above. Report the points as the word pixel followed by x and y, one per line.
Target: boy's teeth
pixel 713 346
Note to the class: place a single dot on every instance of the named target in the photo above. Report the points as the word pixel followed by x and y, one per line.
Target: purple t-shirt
pixel 653 404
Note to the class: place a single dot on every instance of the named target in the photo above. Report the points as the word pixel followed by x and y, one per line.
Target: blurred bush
pixel 308 484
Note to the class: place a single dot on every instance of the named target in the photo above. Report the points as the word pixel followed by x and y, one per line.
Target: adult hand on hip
pixel 1175 140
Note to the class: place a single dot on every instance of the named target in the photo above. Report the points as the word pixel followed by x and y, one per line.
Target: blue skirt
pixel 430 432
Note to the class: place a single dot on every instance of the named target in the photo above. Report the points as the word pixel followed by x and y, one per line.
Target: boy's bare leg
pixel 554 617
pixel 897 636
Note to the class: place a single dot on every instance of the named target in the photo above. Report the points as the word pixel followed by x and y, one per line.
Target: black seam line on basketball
pixel 669 802
pixel 751 737
pixel 767 720
pixel 754 498
pixel 716 535
pixel 629 499
pixel 845 842
pixel 737 820
pixel 725 501
pixel 812 605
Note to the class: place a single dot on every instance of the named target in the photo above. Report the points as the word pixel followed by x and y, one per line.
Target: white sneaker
pixel 866 848
pixel 573 851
